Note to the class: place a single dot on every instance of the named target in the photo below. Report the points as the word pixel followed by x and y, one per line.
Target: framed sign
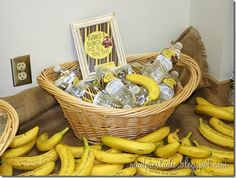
pixel 97 41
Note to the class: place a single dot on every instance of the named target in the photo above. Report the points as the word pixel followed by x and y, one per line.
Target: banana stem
pixel 177 131
pixel 196 143
pixel 64 130
pixel 189 134
pixel 200 121
pixel 86 145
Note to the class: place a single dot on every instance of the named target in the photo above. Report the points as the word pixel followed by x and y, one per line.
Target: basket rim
pixel 142 111
pixel 11 126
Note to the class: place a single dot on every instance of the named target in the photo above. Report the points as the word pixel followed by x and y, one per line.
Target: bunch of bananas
pixel 160 153
pixel 218 133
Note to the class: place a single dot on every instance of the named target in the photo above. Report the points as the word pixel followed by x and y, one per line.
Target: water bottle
pixel 115 87
pixel 163 63
pixel 65 77
pixel 167 87
pixel 139 92
pixel 91 94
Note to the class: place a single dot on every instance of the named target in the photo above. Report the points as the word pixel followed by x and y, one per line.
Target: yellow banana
pixel 43 170
pixel 203 172
pixel 130 171
pixel 6 170
pixel 126 145
pixel 204 162
pixel 77 151
pixel 86 163
pixel 112 150
pixel 173 137
pixel 186 140
pixel 202 101
pixel 161 163
pixel 148 83
pixel 174 172
pixel 214 112
pixel 224 156
pixel 32 162
pixel 106 169
pixel 221 127
pixel 67 160
pixel 221 169
pixel 50 143
pixel 19 151
pixel 214 136
pixel 20 140
pixel 195 152
pixel 167 150
pixel 160 143
pixel 155 136
pixel 115 158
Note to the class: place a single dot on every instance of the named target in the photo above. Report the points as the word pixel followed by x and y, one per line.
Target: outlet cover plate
pixel 21 70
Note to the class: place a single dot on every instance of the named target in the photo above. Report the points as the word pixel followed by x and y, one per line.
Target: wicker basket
pixel 10 125
pixel 93 121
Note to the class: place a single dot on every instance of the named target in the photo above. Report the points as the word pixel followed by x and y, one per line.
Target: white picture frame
pixel 84 32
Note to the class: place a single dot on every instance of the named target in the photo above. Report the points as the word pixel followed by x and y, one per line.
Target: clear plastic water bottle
pixel 65 77
pixel 163 63
pixel 115 87
pixel 167 87
pixel 139 92
pixel 93 95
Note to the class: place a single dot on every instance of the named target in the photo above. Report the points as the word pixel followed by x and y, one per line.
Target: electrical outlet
pixel 21 70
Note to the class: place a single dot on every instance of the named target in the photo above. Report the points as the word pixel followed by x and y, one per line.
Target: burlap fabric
pixel 36 107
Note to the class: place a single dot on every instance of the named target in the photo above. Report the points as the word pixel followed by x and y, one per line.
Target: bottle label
pixel 109 76
pixel 166 92
pixel 165 62
pixel 168 53
pixel 170 82
pixel 114 86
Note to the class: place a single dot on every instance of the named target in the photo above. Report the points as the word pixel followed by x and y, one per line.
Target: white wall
pixel 214 20
pixel 41 29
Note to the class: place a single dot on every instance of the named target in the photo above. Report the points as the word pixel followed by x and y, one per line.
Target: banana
pixel 50 143
pixel 203 172
pixel 148 83
pixel 77 151
pixel 6 170
pixel 214 136
pixel 106 169
pixel 43 170
pixel 174 172
pixel 32 162
pixel 167 150
pixel 20 140
pixel 161 163
pixel 155 136
pixel 221 127
pixel 115 158
pixel 202 101
pixel 86 163
pixel 195 152
pixel 130 171
pixel 20 151
pixel 221 169
pixel 204 162
pixel 111 150
pixel 173 137
pixel 160 143
pixel 67 160
pixel 224 156
pixel 186 140
pixel 214 112
pixel 126 145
